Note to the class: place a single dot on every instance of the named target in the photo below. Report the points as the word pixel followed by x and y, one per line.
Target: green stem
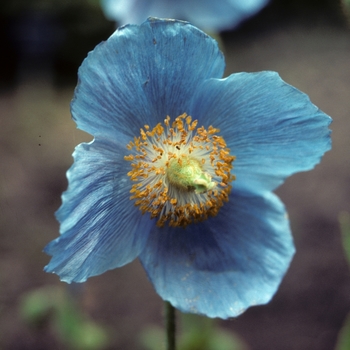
pixel 170 325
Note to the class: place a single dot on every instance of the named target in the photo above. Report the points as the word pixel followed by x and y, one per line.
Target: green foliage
pixel 198 333
pixel 346 8
pixel 343 342
pixel 55 307
pixel 344 220
pixel 153 338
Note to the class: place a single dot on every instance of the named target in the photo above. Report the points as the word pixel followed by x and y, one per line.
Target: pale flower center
pixel 182 173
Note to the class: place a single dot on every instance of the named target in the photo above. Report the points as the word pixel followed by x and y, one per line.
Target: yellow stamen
pixel 182 173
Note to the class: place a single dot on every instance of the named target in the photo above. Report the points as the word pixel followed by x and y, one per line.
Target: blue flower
pixel 181 169
pixel 207 14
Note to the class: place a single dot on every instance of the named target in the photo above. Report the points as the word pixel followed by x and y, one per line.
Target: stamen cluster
pixel 182 173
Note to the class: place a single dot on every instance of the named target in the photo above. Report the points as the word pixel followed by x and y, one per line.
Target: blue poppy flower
pixel 207 14
pixel 181 169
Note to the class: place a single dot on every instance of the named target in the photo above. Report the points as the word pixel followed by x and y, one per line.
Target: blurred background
pixel 42 45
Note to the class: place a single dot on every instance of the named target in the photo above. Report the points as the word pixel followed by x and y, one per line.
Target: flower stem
pixel 170 325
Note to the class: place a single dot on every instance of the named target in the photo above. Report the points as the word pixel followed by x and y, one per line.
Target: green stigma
pixel 186 174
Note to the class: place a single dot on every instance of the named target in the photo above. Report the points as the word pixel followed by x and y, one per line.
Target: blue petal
pixel 219 15
pixel 271 127
pixel 207 14
pixel 141 74
pixel 224 265
pixel 101 229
